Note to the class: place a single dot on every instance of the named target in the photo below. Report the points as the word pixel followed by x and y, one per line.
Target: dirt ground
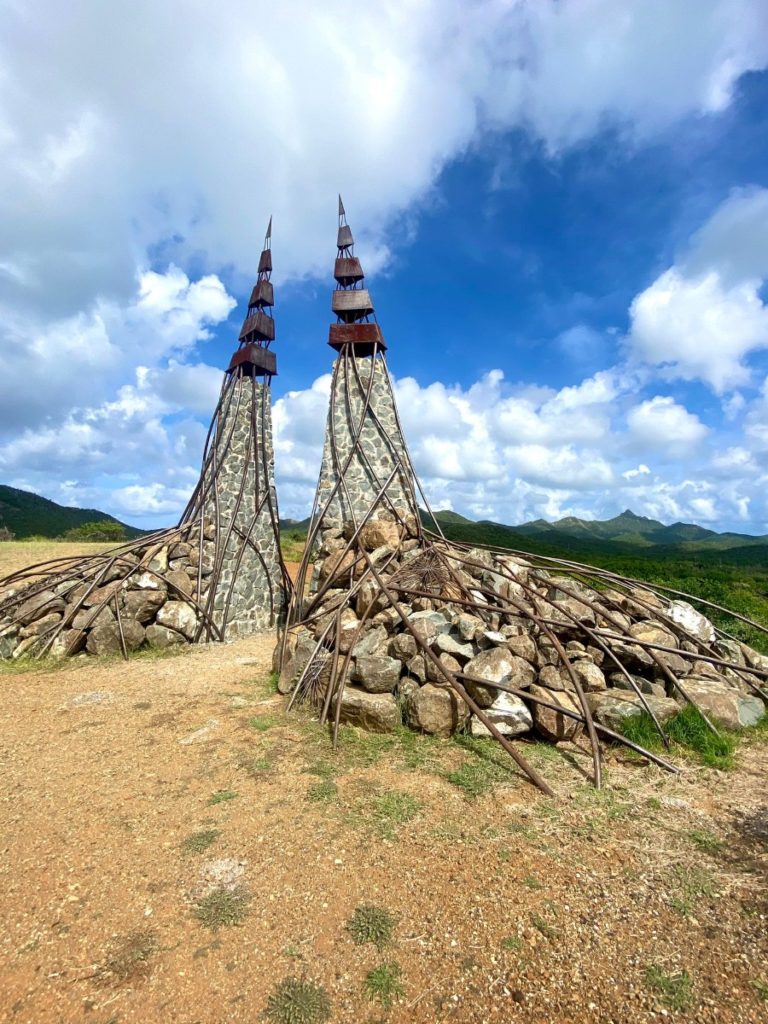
pixel 644 902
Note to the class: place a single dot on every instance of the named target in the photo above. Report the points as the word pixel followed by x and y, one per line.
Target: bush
pixel 5 534
pixel 98 531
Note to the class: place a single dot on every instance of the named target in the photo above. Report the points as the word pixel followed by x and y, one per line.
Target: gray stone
pixel 523 646
pixel 720 701
pixel 89 618
pixel 554 678
pixel 550 723
pixel 147 581
pixel 690 621
pixel 179 616
pixel 178 580
pixel 447 644
pixel 161 636
pixel 652 632
pixel 37 606
pixel 497 665
pixel 613 707
pixel 40 626
pixel 435 710
pixel 375 641
pixel 468 625
pixel 105 638
pixel 143 605
pixel 377 674
pixel 67 643
pixel 417 667
pixel 448 661
pixel 591 678
pixel 375 712
pixel 403 646
pixel 508 713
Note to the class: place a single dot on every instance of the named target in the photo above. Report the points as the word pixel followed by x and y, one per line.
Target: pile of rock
pixel 151 595
pixel 501 621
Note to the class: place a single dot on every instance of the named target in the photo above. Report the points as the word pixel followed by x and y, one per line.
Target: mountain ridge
pixel 27 514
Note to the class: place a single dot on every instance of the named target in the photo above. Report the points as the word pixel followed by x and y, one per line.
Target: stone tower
pixel 216 575
pixel 366 472
pixel 235 497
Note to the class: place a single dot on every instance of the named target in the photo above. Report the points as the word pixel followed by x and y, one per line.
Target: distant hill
pixel 627 533
pixel 27 515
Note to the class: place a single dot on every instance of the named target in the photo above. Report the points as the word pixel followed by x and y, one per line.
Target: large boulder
pixel 372 642
pixel 105 637
pixel 162 637
pixel 180 616
pixel 549 723
pixel 43 603
pixel 653 633
pixel 143 605
pixel 508 713
pixel 447 644
pixel 40 626
pixel 692 622
pixel 612 708
pixel 498 665
pixel 403 646
pixel 721 701
pixel 435 710
pixel 378 533
pixel 377 674
pixel 375 712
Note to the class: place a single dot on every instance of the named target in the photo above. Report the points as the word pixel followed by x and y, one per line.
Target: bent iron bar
pixel 343 509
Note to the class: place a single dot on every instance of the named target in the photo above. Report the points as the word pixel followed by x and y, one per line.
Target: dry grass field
pixel 175 847
pixel 16 554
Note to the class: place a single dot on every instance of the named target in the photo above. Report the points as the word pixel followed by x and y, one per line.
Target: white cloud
pixel 701 319
pixel 191 127
pixel 662 426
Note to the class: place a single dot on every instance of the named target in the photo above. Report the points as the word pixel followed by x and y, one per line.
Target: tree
pixel 103 530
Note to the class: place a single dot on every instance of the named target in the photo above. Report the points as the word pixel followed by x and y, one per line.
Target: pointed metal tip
pixel 342 211
pixel 269 230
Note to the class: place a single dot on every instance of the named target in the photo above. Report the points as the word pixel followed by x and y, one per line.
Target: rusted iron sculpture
pixel 218 574
pixel 372 569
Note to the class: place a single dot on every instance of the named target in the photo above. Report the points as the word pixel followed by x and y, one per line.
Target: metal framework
pixel 446 573
pixel 230 522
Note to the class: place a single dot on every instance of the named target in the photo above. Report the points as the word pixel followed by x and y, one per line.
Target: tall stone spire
pixel 366 472
pixel 236 497
pixel 216 575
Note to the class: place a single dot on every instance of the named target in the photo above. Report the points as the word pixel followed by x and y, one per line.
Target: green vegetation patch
pixel 298 1001
pixel 675 990
pixel 690 735
pixel 222 795
pixel 323 791
pixel 391 809
pixel 222 907
pixel 198 842
pixel 383 984
pixel 691 885
pixel 371 924
pixel 128 957
pixel 480 773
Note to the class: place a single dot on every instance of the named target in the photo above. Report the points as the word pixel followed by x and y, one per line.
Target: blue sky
pixel 563 217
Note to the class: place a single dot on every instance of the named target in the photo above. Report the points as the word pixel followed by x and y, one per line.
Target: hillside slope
pixel 27 515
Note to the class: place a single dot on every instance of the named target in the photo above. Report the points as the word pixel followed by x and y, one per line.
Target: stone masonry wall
pixel 381 441
pixel 250 580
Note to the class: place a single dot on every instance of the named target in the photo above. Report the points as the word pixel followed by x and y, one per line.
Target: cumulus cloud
pixel 197 121
pixel 703 317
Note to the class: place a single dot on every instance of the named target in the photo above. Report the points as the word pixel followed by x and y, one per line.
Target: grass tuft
pixel 298 1001
pixel 676 990
pixel 221 796
pixel 197 842
pixel 222 907
pixel 323 792
pixel 483 772
pixel 391 809
pixel 383 983
pixel 689 733
pixel 371 924
pixel 692 884
pixel 262 722
pixel 129 957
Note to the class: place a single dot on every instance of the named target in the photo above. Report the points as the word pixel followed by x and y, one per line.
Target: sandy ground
pixel 507 907
pixel 17 554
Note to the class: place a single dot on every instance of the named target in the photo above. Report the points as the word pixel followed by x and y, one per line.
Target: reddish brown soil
pixel 509 907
